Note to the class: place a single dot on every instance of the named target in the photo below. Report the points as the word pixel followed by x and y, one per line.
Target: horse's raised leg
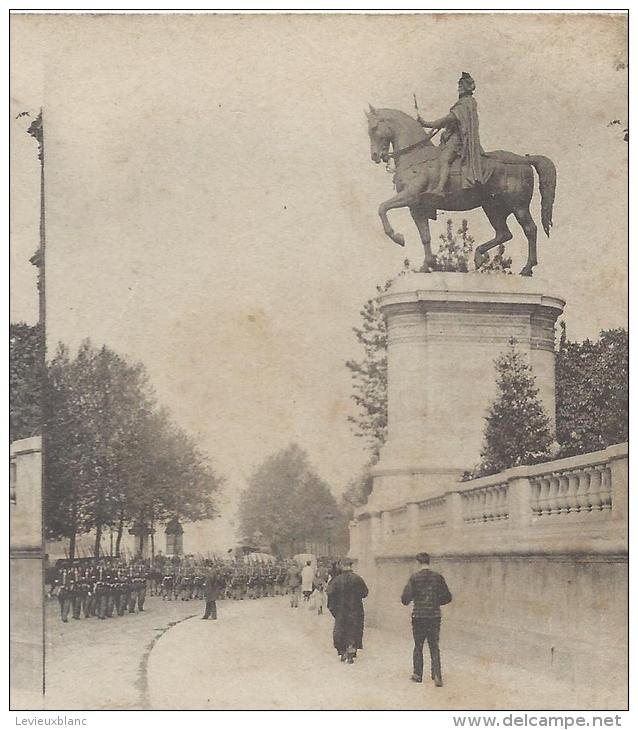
pixel 524 217
pixel 400 200
pixel 497 216
pixel 420 217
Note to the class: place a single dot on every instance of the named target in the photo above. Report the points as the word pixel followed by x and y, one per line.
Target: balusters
pixel 572 490
pixel 535 498
pixel 553 496
pixel 579 490
pixel 432 512
pixel 471 507
pixel 505 511
pixel 488 504
pixel 544 497
pixel 605 489
pixel 563 488
pixel 475 507
pixel 595 500
pixel 499 502
pixel 582 495
pixel 488 513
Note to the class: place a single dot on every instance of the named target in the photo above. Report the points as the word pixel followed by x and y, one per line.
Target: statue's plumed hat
pixel 467 81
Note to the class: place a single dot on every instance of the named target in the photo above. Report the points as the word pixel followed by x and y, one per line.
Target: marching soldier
pixel 111 595
pixel 79 595
pixel 141 591
pixel 125 594
pixel 65 594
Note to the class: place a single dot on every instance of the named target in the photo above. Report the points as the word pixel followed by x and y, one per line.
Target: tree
pixel 454 254
pixel 289 503
pixel 357 491
pixel 370 376
pixel 517 428
pixel 66 509
pixel 112 457
pixel 456 248
pixel 592 392
pixel 25 378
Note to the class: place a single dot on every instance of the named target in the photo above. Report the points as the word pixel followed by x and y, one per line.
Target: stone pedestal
pixel 174 537
pixel 445 330
pixel 141 532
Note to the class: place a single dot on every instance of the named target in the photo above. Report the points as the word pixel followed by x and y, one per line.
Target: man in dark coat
pixel 428 591
pixel 211 594
pixel 345 602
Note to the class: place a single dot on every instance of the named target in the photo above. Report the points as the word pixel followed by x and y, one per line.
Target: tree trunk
pixel 120 532
pixel 98 540
pixel 72 546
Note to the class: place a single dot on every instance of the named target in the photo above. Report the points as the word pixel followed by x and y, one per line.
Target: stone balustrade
pixel 577 504
pixel 485 504
pixel 432 513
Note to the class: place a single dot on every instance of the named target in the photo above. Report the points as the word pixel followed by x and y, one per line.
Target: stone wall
pixel 26 581
pixel 536 558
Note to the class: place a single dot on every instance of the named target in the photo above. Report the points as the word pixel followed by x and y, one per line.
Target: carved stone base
pixel 445 331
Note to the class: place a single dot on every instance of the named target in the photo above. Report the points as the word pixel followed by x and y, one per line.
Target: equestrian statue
pixel 458 175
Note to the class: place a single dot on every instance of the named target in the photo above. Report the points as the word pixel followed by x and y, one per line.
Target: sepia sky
pixel 212 206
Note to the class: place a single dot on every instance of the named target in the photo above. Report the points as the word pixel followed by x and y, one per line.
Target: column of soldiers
pixel 236 580
pixel 105 588
pixel 100 589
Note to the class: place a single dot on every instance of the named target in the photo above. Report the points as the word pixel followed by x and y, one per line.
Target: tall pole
pixel 36 130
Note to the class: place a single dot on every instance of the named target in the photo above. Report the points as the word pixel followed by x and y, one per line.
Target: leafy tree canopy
pixel 592 392
pixel 25 378
pixel 288 503
pixel 112 457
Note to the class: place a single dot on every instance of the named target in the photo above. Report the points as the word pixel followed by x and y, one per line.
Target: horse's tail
pixel 547 183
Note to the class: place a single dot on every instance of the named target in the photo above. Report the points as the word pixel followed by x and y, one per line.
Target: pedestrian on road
pixel 427 591
pixel 320 591
pixel 345 602
pixel 307 577
pixel 294 585
pixel 211 594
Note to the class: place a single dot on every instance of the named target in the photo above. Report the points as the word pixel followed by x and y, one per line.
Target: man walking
pixel 427 591
pixel 294 585
pixel 211 594
pixel 345 602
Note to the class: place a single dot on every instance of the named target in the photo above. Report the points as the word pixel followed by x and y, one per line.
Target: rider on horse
pixel 460 137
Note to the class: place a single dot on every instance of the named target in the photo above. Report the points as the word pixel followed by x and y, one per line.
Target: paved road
pixel 93 665
pixel 262 655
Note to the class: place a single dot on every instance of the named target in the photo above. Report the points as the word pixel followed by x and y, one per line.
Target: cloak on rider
pixel 460 138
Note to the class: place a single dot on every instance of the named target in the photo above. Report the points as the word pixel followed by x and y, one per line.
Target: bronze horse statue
pixel 508 186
